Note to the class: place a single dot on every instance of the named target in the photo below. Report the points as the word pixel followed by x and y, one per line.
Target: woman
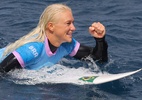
pixel 50 41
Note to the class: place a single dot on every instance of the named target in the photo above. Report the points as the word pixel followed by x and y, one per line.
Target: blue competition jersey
pixel 35 55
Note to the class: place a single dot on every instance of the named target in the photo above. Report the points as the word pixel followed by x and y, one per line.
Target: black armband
pixel 9 63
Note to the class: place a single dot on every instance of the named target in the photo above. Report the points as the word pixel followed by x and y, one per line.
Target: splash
pixel 55 74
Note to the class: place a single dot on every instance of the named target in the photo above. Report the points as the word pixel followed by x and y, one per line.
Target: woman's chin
pixel 69 40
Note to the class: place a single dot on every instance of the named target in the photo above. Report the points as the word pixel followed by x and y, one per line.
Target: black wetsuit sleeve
pixel 99 52
pixel 9 63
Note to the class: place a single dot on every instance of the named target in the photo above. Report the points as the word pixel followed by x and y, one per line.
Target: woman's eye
pixel 68 23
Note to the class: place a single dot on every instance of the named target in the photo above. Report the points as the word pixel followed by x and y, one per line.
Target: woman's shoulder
pixel 38 46
pixel 35 44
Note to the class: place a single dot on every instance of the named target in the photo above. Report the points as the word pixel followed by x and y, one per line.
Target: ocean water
pixel 123 22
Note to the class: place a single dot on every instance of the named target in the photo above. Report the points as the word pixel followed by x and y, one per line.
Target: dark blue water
pixel 123 22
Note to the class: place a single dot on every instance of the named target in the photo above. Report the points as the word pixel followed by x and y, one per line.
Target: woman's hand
pixel 97 30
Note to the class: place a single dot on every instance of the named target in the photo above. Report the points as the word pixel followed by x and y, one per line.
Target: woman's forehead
pixel 65 16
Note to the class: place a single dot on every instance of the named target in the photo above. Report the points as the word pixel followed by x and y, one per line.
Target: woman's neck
pixel 52 47
pixel 54 41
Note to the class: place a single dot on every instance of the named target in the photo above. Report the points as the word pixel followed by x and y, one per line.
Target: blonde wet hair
pixel 38 33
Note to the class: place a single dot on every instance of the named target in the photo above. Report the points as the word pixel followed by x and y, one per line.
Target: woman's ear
pixel 50 26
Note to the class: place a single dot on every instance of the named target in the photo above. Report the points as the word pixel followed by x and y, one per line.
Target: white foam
pixel 55 74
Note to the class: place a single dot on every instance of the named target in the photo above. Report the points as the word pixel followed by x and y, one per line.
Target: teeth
pixel 69 34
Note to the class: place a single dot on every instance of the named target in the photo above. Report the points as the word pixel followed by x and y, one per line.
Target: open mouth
pixel 69 34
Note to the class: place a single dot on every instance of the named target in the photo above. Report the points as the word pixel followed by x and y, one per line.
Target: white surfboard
pixel 105 77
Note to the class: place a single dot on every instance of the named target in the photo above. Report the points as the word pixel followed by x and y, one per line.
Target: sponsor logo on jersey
pixel 34 51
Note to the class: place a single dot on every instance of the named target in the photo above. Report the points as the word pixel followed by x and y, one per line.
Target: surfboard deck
pixel 103 78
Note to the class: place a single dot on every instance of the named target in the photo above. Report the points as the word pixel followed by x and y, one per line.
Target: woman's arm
pixel 9 63
pixel 99 52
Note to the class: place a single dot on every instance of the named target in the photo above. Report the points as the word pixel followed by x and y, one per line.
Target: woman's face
pixel 64 27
